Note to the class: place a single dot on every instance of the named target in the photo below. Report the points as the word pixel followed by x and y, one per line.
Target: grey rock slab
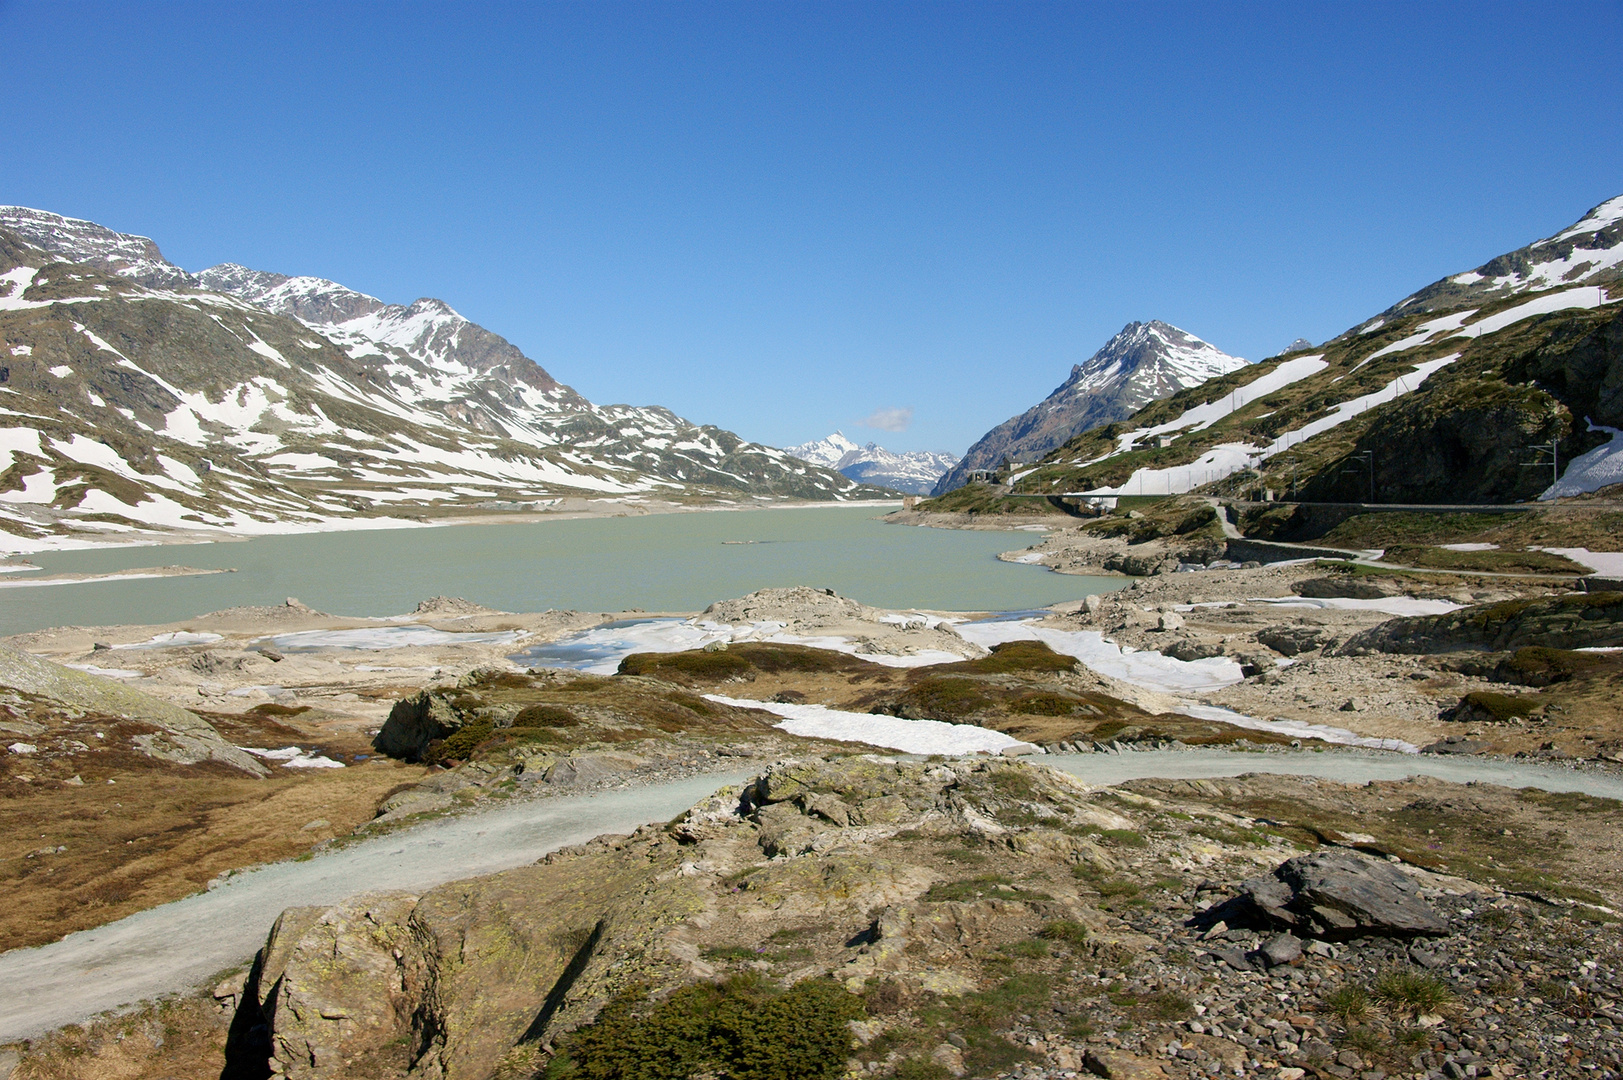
pixel 1340 894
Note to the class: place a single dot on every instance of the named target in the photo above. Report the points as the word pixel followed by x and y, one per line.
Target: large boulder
pixel 415 722
pixel 1293 640
pixel 1339 895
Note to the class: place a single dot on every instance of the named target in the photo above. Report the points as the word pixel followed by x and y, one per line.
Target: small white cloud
pixel 889 419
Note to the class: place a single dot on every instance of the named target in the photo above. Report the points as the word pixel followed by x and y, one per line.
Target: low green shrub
pixel 974 888
pixel 1044 704
pixel 1068 931
pixel 1348 1004
pixel 740 1029
pixel 460 744
pixel 545 716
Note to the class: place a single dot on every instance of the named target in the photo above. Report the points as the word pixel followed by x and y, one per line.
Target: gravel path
pixel 180 945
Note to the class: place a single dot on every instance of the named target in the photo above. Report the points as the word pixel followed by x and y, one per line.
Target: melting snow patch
pixel 1609 563
pixel 171 640
pixel 1586 297
pixel 1204 416
pixel 108 672
pixel 1390 605
pixel 292 757
pixel 1469 547
pixel 1592 471
pixel 908 736
pixel 1144 668
pixel 1296 729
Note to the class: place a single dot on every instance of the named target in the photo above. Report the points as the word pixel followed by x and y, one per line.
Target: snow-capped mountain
pixel 254 402
pixel 825 452
pixel 915 471
pixel 1143 363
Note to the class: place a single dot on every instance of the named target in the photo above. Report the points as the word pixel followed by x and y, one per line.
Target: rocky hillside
pixel 916 471
pixel 138 397
pixel 1457 394
pixel 1143 363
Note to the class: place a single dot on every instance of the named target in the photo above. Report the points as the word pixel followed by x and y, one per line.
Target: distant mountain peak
pixel 1144 362
pixel 915 471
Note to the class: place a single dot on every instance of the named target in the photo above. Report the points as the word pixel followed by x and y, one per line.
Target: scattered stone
pixel 1281 949
pixel 1120 1065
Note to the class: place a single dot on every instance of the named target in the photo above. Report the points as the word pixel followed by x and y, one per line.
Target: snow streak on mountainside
pixel 1445 397
pixel 253 402
pixel 915 472
pixel 1143 363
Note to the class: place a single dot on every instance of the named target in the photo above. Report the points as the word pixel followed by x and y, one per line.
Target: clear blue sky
pixel 783 217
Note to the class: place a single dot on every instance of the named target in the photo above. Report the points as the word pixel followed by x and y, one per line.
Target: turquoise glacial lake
pixel 659 562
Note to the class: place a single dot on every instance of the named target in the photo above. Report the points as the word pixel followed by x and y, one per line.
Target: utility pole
pixel 1553 447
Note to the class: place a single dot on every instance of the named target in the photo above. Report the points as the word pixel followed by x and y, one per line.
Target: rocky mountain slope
pixel 1143 363
pixel 915 471
pixel 1457 394
pixel 137 397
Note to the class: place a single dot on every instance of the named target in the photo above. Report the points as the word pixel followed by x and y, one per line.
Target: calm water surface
pixel 663 562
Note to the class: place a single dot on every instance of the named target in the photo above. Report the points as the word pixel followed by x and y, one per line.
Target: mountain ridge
pixel 137 409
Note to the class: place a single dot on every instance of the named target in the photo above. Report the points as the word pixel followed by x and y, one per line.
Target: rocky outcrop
pixel 1566 622
pixel 1338 895
pixel 1343 586
pixel 479 977
pixel 181 736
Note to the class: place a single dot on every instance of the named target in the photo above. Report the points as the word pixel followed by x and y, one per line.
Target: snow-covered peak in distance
pixel 915 471
pixel 825 452
pixel 1143 363
pixel 1588 252
pixel 1301 344
pixel 134 257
